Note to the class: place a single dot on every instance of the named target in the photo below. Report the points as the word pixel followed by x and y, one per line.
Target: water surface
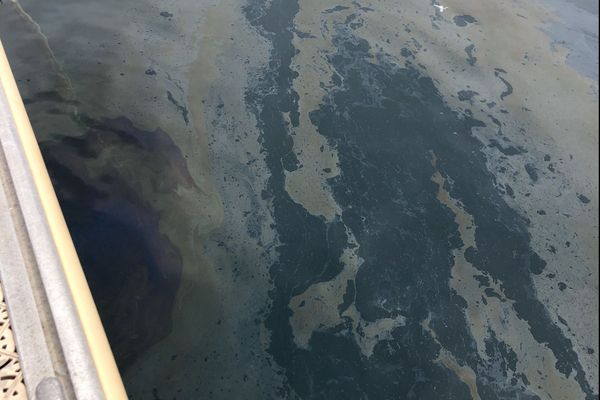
pixel 327 199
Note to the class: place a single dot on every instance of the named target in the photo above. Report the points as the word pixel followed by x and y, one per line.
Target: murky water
pixel 327 199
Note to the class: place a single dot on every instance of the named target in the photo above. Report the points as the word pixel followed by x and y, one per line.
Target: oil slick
pixel 333 199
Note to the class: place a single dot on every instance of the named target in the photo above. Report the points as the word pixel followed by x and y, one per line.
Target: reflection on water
pixel 326 199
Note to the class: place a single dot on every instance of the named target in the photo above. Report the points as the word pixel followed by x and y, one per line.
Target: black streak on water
pixel 385 123
pixel 509 89
pixel 463 20
pixel 471 59
pixel 182 109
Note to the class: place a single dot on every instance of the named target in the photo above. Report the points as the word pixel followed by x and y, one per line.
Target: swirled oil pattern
pixel 327 199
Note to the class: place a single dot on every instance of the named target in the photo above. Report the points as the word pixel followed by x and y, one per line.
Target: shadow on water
pixel 133 269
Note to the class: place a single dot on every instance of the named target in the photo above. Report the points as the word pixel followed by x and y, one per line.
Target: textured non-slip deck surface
pixel 11 377
pixel 325 199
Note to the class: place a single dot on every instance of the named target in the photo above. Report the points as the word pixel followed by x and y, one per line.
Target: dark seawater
pixel 406 323
pixel 386 122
